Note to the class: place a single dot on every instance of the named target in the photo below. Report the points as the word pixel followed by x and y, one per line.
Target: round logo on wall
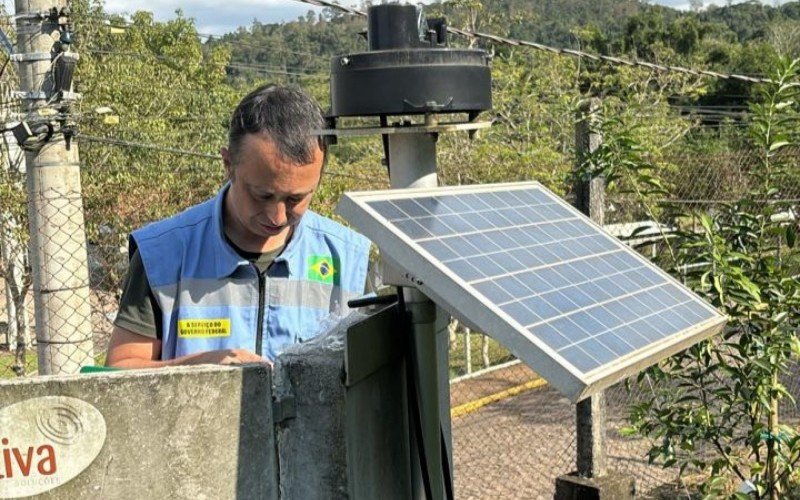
pixel 46 442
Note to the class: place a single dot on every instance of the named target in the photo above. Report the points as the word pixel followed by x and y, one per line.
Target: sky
pixel 211 19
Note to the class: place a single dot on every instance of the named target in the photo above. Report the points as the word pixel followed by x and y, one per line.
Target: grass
pixel 31 363
pixel 7 361
pixel 458 361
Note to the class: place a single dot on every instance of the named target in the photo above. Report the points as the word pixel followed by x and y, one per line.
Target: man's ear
pixel 226 160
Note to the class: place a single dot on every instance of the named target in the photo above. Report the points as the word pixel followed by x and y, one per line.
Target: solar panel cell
pixel 550 336
pixel 411 208
pixel 412 229
pixel 434 206
pixel 465 271
pixel 580 360
pixel 493 292
pixel 520 313
pixel 439 250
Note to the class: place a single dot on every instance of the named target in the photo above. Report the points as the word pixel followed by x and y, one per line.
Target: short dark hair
pixel 286 115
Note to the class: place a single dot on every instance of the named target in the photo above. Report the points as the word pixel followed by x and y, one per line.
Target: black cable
pixel 130 144
pixel 231 65
pixel 413 395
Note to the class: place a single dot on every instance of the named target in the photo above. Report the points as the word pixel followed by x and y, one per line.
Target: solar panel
pixel 520 264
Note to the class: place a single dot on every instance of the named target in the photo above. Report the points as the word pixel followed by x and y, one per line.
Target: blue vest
pixel 212 298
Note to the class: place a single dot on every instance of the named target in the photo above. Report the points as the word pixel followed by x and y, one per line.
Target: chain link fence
pixel 512 433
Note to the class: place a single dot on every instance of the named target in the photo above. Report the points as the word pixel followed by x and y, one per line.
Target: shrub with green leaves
pixel 715 407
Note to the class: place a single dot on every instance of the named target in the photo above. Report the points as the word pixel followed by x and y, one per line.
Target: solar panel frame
pixel 457 295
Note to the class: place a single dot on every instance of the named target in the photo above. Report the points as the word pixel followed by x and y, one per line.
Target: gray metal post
pixel 58 239
pixel 590 199
pixel 412 164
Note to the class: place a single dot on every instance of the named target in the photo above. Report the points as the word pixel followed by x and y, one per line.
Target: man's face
pixel 268 194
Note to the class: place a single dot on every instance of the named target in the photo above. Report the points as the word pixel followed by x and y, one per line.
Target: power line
pixel 220 39
pixel 182 152
pixel 664 68
pixel 140 145
pixel 254 67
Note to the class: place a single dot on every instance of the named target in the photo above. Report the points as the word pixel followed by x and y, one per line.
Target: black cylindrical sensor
pixel 406 72
pixel 393 27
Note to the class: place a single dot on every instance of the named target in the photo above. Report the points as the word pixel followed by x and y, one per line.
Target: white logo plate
pixel 45 442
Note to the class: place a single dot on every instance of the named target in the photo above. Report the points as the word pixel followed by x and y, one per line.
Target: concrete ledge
pixel 183 433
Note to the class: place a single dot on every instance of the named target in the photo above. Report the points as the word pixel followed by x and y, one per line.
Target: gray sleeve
pixel 138 309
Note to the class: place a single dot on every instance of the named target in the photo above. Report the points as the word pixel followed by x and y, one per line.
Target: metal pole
pixel 412 164
pixel 55 207
pixel 590 199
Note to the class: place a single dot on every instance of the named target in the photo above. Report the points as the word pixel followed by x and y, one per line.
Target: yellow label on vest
pixel 204 328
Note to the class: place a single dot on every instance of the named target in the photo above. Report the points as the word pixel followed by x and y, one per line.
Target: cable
pixel 262 69
pixel 154 147
pixel 216 38
pixel 183 152
pixel 664 68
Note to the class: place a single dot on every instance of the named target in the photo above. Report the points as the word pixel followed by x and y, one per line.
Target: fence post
pixel 592 478
pixel 55 206
pixel 590 199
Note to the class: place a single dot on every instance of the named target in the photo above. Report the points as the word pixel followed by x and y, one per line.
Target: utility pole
pixel 55 204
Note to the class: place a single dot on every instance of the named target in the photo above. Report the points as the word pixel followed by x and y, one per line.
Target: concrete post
pixel 592 479
pixel 590 199
pixel 412 164
pixel 58 240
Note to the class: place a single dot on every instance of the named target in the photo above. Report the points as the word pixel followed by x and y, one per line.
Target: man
pixel 239 277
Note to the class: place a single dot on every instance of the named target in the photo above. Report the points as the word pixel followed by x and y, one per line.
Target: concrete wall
pixel 326 427
pixel 345 439
pixel 193 433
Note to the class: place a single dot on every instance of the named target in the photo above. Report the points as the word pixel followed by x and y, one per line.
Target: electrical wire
pixel 217 38
pixel 664 68
pixel 254 67
pixel 141 145
pixel 183 152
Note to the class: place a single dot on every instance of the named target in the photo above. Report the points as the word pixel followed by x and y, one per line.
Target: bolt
pixel 345 61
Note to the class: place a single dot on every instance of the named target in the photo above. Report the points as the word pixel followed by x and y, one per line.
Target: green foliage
pixel 166 90
pixel 532 138
pixel 715 406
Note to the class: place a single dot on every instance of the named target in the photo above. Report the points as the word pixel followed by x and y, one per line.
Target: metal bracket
pixel 405 129
pixel 32 56
pixel 284 409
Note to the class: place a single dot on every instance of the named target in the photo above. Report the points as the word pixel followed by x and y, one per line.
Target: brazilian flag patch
pixel 321 269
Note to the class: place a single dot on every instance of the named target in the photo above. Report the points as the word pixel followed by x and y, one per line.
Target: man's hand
pixel 130 350
pixel 225 357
